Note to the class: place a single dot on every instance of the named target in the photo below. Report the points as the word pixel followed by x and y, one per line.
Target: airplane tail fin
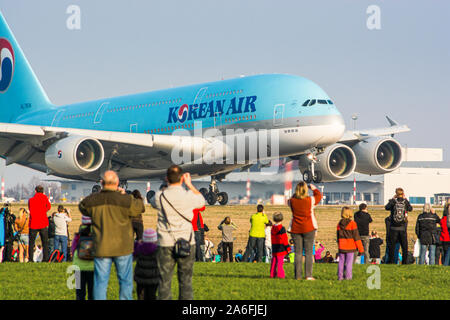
pixel 20 90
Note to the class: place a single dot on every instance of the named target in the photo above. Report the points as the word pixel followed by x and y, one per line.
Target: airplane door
pixel 278 114
pixel 217 120
pixel 100 111
pixel 133 128
pixel 57 117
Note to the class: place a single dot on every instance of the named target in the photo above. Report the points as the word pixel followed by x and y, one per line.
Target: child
pixel 349 241
pixel 280 246
pixel 318 253
pixel 238 257
pixel 86 266
pixel 146 272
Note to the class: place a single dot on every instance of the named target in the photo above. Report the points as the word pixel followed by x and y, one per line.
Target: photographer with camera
pixel 8 220
pixel 38 206
pixel 22 236
pixel 176 240
pixel 61 219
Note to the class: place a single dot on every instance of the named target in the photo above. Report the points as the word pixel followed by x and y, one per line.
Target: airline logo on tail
pixel 6 64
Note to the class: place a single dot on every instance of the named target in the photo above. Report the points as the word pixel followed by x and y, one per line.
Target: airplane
pixel 138 135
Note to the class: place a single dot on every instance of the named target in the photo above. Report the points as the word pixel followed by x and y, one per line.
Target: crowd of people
pixel 112 231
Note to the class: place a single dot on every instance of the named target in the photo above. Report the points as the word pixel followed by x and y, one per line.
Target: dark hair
pixel 260 208
pixel 174 174
pixel 362 206
pixel 136 194
pixel 39 189
pixel 60 208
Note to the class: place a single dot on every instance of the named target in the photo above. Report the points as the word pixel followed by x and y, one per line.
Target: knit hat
pixel 86 220
pixel 150 235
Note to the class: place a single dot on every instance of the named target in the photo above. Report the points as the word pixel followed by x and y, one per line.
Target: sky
pixel 126 47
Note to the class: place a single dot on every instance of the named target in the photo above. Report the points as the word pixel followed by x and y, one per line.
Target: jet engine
pixel 337 162
pixel 377 155
pixel 75 155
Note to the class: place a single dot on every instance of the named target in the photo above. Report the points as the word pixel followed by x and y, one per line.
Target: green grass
pixel 249 281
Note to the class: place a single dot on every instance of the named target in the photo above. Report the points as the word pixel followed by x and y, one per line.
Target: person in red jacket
pixel 199 233
pixel 445 235
pixel 349 241
pixel 280 247
pixel 304 227
pixel 38 207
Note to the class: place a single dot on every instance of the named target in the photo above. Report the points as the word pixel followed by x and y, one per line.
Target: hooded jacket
pixel 146 271
pixel 426 227
pixel 280 243
pixel 348 237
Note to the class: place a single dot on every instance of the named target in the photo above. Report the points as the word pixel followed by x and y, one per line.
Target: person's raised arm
pixel 188 182
pixel 316 193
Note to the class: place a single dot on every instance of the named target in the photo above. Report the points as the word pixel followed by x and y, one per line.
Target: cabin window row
pixel 224 93
pixel 311 102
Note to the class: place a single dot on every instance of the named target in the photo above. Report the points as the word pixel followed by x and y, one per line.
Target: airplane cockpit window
pixel 322 101
pixel 313 102
pixel 305 103
pixel 330 102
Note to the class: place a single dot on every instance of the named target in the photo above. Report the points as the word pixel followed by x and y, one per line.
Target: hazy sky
pixel 127 47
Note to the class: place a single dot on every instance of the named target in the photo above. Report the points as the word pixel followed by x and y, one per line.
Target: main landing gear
pixel 214 195
pixel 311 175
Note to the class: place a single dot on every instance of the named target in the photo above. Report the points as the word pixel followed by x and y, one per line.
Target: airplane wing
pixel 352 137
pixel 21 144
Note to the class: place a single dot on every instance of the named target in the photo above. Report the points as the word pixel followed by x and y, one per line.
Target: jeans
pixel 102 270
pixel 227 251
pixel 253 243
pixel 394 237
pixel 198 235
pixel 185 269
pixel 43 233
pixel 61 240
pixel 303 241
pixel 86 281
pixel 431 255
pixel 396 250
pixel 446 255
pixel 345 266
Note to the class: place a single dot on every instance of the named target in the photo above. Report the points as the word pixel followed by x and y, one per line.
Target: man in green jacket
pixel 111 211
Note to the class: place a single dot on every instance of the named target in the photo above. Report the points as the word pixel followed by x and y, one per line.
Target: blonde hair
pixel 21 212
pixel 301 190
pixel 346 213
pixel 427 207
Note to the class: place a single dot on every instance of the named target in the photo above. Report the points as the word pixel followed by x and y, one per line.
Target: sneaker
pixel 310 278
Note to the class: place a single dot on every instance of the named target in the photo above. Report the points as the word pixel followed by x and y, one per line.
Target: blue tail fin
pixel 20 90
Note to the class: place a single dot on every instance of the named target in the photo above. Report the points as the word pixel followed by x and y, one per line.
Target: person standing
pixel 349 241
pixel 280 246
pixel 363 219
pixel 111 211
pixel 22 227
pixel 208 249
pixel 445 235
pixel 374 247
pixel 227 227
pixel 38 206
pixel 175 207
pixel 138 222
pixel 146 273
pixel 304 227
pixel 199 233
pixel 61 219
pixel 399 207
pixel 257 234
pixel 426 233
pixel 268 242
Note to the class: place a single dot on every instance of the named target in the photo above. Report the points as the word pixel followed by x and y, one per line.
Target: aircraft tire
pixel 211 198
pixel 150 195
pixel 204 192
pixel 222 198
pixel 317 177
pixel 307 176
pixel 96 188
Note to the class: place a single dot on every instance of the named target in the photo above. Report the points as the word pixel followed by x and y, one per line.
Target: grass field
pixel 246 281
pixel 251 281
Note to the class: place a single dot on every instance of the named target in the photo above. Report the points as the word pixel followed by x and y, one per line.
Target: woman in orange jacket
pixel 349 241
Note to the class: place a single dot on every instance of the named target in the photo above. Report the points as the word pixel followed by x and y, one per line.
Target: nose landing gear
pixel 311 175
pixel 213 195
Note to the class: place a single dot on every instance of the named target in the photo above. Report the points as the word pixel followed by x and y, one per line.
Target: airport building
pixel 423 174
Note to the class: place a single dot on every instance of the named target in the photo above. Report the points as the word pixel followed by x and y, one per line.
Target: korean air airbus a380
pixel 134 134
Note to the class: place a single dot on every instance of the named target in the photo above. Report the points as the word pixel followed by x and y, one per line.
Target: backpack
pixel 399 211
pixel 85 248
pixel 56 256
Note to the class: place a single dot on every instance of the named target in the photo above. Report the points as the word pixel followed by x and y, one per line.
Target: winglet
pixel 392 122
